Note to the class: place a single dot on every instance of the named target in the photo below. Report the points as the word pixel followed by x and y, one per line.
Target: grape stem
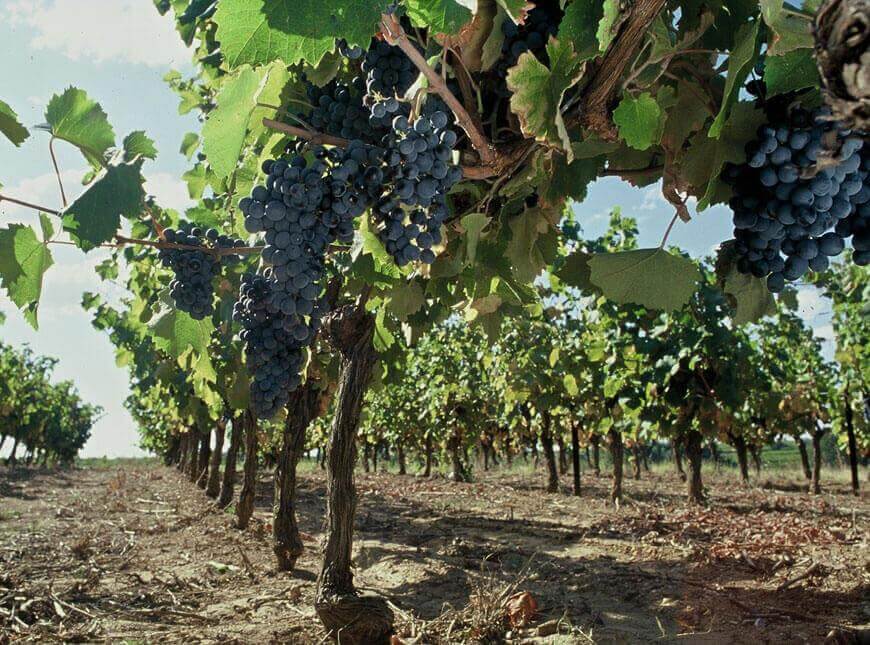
pixel 36 207
pixel 668 230
pixel 395 35
pixel 56 171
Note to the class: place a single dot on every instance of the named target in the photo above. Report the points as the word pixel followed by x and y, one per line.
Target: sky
pixel 118 51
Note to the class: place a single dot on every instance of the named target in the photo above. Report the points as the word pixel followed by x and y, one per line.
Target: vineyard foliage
pixel 385 244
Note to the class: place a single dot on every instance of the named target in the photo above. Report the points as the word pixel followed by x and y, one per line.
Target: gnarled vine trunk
pixel 301 411
pixel 229 481
pixel 202 462
pixel 245 507
pixel 400 456
pixel 755 451
pixel 185 452
pixel 635 453
pixel 347 615
pixel 563 454
pixel 549 455
pixel 815 483
pixel 849 422
pixel 617 450
pixel 213 488
pixel 805 457
pixel 575 457
pixel 193 458
pixel 454 444
pixel 694 453
pixel 427 472
pixel 678 458
pixel 739 444
pixel 595 440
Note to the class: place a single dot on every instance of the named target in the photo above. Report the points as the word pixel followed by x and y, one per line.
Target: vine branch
pixel 56 171
pixel 36 207
pixel 395 35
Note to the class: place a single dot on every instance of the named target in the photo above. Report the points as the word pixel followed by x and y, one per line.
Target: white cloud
pixel 810 302
pixel 653 198
pixel 170 191
pixel 128 31
pixel 41 190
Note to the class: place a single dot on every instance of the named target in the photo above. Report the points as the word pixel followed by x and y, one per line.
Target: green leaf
pixel 473 224
pixel 787 33
pixel 274 85
pixel 24 260
pixel 538 91
pixel 176 332
pixel 383 338
pixel 223 135
pixel 751 298
pixel 197 180
pixel 579 26
pixel 258 32
pixel 653 278
pixel 46 226
pixel 703 161
pixel 406 299
pixel 771 10
pixel 491 50
pixel 10 126
pixel 76 119
pixel 95 216
pixel 138 144
pixel 517 10
pixel 790 72
pixel 606 26
pixel 568 180
pixel 687 116
pixel 740 63
pixel 239 389
pixel 522 250
pixel 440 16
pixel 575 272
pixel 639 120
pixel 570 384
pixel 189 144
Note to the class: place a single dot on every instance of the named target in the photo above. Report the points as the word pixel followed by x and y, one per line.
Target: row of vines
pixel 386 237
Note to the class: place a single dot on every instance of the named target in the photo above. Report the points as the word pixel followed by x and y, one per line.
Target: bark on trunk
pixel 193 458
pixel 484 448
pixel 400 456
pixel 455 444
pixel 805 457
pixel 563 455
pixel 229 482
pixel 575 457
pixel 301 410
pixel 245 507
pixel 853 444
pixel 714 451
pixel 213 488
pixel 595 440
pixel 678 458
pixel 756 458
pixel 644 457
pixel 2 441
pixel 815 483
pixel 348 616
pixel 694 453
pixel 635 451
pixel 739 444
pixel 375 458
pixel 616 453
pixel 365 452
pixel 427 472
pixel 204 455
pixel 549 455
pixel 182 458
pixel 11 460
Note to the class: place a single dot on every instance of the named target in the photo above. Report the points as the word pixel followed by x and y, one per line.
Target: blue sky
pixel 118 51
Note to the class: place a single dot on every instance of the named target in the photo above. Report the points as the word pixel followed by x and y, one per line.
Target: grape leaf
pixel 473 224
pixel 787 33
pixel 516 9
pixel 639 120
pixel 24 259
pixel 789 72
pixel 578 26
pixel 258 32
pixel 771 10
pixel 95 216
pixel 653 278
pixel 189 144
pixel 570 384
pixel 705 158
pixel 239 387
pixel 522 250
pixel 196 179
pixel 606 24
pixel 440 16
pixel 76 119
pixel 175 332
pixel 274 85
pixel 223 135
pixel 688 115
pixel 10 126
pixel 575 271
pixel 138 144
pixel 491 50
pixel 740 62
pixel 538 91
pixel 406 299
pixel 383 338
pixel 749 296
pixel 567 180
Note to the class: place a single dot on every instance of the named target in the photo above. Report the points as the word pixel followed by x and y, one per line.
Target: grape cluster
pixel 191 288
pixel 420 165
pixel 388 75
pixel 337 109
pixel 306 205
pixel 785 204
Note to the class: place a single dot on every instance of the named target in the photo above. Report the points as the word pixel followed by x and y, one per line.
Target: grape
pixel 784 204
pixel 540 25
pixel 191 289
